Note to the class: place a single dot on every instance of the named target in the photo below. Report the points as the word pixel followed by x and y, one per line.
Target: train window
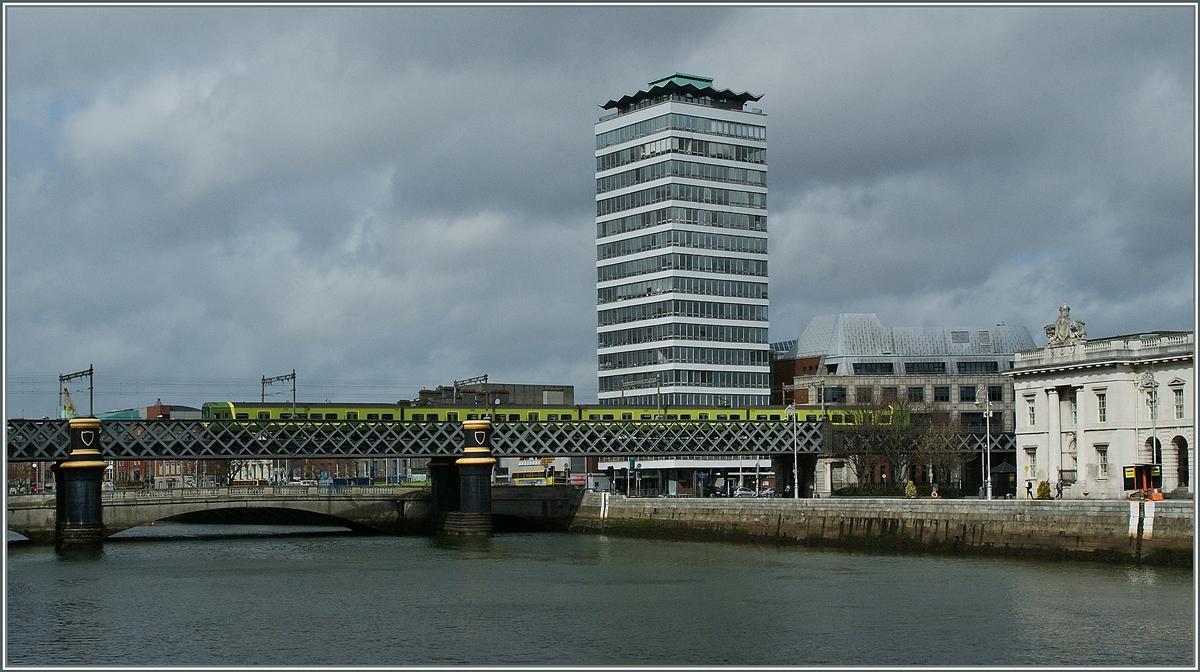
pixel 264 415
pixel 722 416
pixel 838 418
pixel 533 416
pixel 646 416
pixel 351 415
pixel 432 417
pixel 514 417
pixel 608 416
pixel 372 416
pixel 849 419
pixel 734 416
pixel 388 416
pixel 301 416
pixel 285 416
pixel 593 416
pixel 672 416
pixel 331 416
pixel 627 416
pixel 760 417
pixel 774 416
pixel 241 416
pixel 472 416
pixel 566 416
pixel 810 418
pixel 418 417
pixel 704 416
pixel 552 416
pixel 452 417
pixel 685 416
pixel 885 419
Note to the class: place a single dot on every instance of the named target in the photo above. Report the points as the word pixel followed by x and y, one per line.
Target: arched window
pixel 1153 450
pixel 1181 446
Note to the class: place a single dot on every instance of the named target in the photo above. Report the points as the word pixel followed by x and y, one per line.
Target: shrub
pixel 1043 490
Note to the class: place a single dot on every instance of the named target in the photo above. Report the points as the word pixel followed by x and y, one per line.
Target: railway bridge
pixel 461 457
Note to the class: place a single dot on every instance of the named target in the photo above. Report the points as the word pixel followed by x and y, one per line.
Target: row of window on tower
pixel 688 377
pixel 682 330
pixel 677 145
pixel 681 122
pixel 676 261
pixel 685 354
pixel 681 215
pixel 680 238
pixel 679 168
pixel 683 285
pixel 682 308
pixel 681 192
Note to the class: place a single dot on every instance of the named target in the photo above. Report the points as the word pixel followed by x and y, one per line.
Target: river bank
pixel 1075 529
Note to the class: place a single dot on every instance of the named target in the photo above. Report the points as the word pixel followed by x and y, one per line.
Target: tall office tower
pixel 681 247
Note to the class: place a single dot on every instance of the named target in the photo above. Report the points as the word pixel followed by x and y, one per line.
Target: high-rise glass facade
pixel 681 247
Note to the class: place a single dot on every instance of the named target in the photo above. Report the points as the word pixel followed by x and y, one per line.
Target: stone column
pixel 1053 436
pixel 79 523
pixel 474 515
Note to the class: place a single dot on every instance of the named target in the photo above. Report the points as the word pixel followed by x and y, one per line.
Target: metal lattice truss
pixel 851 442
pixel 49 440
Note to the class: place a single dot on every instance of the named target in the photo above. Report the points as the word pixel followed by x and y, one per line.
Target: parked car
pixel 769 492
pixel 744 492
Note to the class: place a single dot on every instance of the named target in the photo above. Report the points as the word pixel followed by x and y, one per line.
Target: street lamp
pixel 987 451
pixel 1150 385
pixel 791 411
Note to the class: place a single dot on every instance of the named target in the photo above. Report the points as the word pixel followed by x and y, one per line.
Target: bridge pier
pixel 79 523
pixel 474 515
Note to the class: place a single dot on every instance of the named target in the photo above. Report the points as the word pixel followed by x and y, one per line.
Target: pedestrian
pixel 1058 489
pixel 1028 489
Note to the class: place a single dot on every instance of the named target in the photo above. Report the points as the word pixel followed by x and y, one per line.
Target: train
pixel 388 412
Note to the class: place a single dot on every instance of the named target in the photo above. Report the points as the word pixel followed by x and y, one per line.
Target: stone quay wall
pixel 1096 530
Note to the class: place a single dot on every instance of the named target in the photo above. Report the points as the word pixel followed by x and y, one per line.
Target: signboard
pixel 1142 476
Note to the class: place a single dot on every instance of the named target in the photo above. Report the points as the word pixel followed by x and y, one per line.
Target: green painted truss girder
pixel 49 440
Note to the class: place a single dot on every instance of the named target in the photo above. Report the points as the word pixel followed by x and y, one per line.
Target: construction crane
pixel 67 410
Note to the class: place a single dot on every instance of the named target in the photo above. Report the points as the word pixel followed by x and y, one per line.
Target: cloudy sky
pixel 385 198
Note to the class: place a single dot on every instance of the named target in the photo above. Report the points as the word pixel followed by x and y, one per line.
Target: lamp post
pixel 987 450
pixel 791 411
pixel 1150 385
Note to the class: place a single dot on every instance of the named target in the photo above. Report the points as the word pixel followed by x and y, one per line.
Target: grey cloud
pixel 405 194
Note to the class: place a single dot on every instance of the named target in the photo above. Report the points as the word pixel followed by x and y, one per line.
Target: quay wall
pixel 1097 530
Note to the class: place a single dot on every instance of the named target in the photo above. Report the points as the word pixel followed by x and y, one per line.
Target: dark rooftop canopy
pixel 681 83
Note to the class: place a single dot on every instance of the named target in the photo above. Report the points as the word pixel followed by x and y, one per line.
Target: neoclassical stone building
pixel 1085 409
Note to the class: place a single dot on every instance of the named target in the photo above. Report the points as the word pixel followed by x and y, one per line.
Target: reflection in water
pixel 559 599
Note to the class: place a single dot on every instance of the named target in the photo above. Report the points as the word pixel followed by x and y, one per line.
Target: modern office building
pixel 852 361
pixel 681 247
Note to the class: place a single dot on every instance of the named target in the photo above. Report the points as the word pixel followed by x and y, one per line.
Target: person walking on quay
pixel 1028 489
pixel 1058 489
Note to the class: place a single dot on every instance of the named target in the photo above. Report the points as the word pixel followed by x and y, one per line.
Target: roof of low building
pixel 862 334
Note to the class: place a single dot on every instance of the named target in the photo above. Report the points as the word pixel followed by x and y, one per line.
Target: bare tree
pixel 941 448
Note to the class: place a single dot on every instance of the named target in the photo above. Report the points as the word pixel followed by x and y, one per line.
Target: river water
pixel 564 599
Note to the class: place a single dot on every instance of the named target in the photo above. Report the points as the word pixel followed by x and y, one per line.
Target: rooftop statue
pixel 1065 331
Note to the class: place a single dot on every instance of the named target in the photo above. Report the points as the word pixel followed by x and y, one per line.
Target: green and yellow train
pixel 384 412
